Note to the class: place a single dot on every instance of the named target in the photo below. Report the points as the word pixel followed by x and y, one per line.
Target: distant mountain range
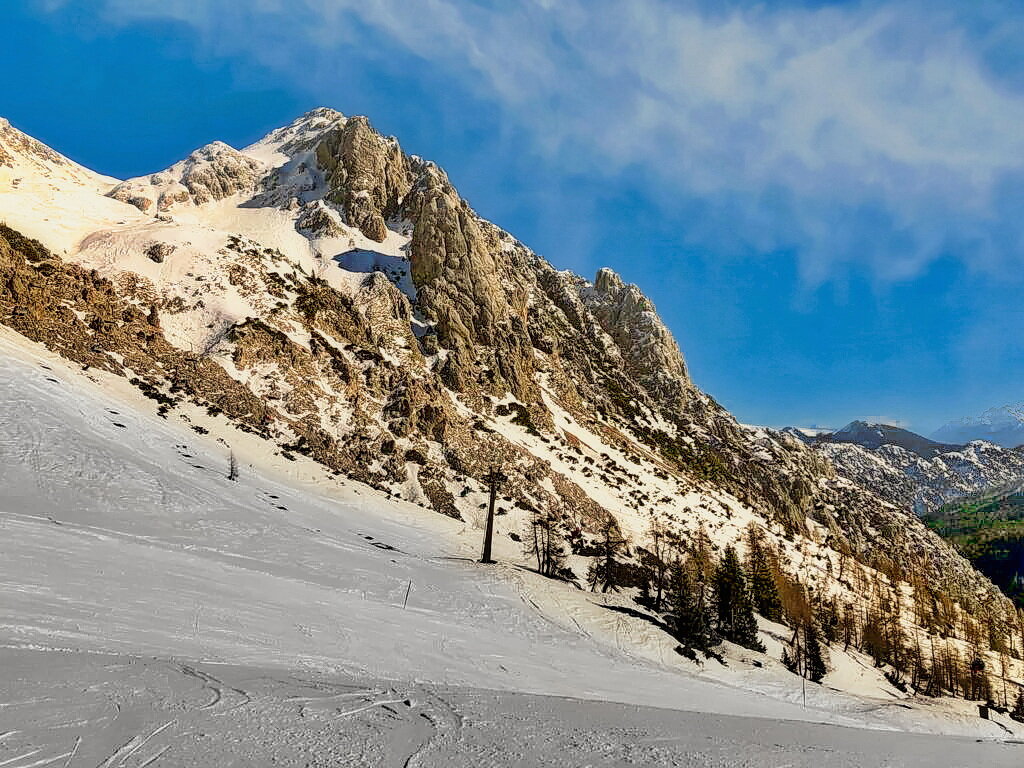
pixel 911 470
pixel 872 436
pixel 1003 426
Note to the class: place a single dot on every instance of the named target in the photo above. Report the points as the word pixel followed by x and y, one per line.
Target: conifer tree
pixel 1018 708
pixel 692 616
pixel 658 557
pixel 544 541
pixel 605 570
pixel 736 621
pixel 761 571
pixel 815 665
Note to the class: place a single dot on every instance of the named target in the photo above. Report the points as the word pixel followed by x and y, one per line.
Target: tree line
pixel 921 637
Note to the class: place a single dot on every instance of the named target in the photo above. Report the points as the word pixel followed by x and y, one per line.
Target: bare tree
pixel 659 558
pixel 545 542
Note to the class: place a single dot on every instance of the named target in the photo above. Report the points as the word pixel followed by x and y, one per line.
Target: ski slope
pixel 155 612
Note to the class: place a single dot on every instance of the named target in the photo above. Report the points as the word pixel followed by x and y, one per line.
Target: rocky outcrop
pixel 211 173
pixel 647 346
pixel 368 175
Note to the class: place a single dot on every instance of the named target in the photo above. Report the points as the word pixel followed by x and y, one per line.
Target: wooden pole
pixel 492 478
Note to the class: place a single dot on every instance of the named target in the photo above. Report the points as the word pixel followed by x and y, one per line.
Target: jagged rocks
pixel 368 175
pixel 213 172
pixel 318 220
pixel 647 345
pixel 159 252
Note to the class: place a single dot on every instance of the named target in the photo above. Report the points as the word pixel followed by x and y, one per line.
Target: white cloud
pixel 842 116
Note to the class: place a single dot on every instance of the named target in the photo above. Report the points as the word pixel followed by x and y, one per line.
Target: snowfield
pixel 156 613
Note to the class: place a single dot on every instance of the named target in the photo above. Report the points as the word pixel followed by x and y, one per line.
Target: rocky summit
pixel 337 297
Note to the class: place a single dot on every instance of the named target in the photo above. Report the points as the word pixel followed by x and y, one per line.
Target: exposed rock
pixel 159 252
pixel 213 172
pixel 646 344
pixel 367 174
pixel 318 220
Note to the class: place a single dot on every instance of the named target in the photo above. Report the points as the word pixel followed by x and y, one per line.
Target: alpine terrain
pixel 1004 425
pixel 255 406
pixel 912 471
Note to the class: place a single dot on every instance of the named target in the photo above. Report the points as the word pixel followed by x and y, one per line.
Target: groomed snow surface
pixel 154 612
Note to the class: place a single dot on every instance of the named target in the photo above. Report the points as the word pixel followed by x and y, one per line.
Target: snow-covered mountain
pixel 910 470
pixel 336 300
pixel 157 611
pixel 870 435
pixel 924 484
pixel 1003 426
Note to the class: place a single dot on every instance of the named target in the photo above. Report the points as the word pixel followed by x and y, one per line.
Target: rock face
pixel 367 174
pixel 491 357
pixel 630 319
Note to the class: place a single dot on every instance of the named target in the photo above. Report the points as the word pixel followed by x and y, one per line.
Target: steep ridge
pixel 339 298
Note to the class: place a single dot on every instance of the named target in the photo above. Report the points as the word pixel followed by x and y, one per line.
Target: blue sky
pixel 823 199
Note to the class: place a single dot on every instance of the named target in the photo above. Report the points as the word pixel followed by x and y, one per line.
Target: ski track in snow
pixel 155 613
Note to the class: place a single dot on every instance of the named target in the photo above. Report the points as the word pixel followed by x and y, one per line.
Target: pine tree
pixel 761 570
pixel 544 541
pixel 605 570
pixel 658 557
pixel 691 613
pixel 736 620
pixel 815 665
pixel 232 467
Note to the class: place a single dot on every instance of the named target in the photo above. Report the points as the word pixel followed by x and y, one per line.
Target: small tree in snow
pixel 232 467
pixel 604 570
pixel 762 566
pixel 545 542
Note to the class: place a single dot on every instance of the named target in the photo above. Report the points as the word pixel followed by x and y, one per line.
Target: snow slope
pixel 121 536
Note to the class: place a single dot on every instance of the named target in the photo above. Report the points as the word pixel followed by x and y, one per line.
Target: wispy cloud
pixel 868 134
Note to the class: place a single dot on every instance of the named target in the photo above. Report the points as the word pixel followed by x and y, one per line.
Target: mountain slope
pixel 131 556
pixel 337 298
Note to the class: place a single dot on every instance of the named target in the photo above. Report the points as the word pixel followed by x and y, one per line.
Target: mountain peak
pixel 872 435
pixel 212 172
pixel 608 281
pixel 1002 425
